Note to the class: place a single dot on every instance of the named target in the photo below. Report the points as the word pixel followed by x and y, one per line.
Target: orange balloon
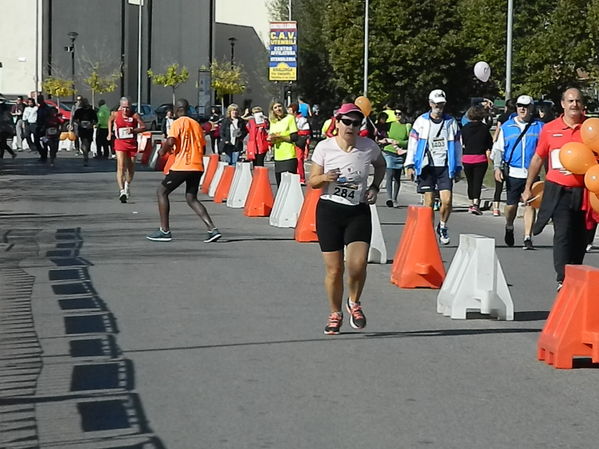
pixel 577 157
pixel 589 132
pixel 594 200
pixel 591 179
pixel 364 104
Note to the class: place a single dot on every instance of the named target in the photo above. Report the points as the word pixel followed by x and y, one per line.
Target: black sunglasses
pixel 522 105
pixel 350 122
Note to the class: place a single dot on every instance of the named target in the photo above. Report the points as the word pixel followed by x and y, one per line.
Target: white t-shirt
pixel 354 166
pixel 437 143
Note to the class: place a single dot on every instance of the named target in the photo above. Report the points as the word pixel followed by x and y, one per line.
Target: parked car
pixel 161 112
pixel 63 109
pixel 148 116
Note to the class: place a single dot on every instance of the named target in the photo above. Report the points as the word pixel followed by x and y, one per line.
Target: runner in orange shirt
pixel 185 143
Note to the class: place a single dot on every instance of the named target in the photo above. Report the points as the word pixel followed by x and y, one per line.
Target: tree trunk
pixel 173 97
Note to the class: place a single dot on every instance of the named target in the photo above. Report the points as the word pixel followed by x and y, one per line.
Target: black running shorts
pixel 338 225
pixel 434 178
pixel 175 178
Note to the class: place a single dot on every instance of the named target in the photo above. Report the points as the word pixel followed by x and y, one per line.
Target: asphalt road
pixel 112 341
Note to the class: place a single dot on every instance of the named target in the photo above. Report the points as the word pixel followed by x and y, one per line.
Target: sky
pixel 252 13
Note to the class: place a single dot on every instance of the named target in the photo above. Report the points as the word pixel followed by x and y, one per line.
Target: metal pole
pixel 139 57
pixel 366 51
pixel 289 8
pixel 73 68
pixel 37 42
pixel 508 58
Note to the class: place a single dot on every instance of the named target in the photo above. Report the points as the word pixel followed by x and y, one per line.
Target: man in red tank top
pixel 123 127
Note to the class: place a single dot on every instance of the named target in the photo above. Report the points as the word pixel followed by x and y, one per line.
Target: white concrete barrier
pixel 378 250
pixel 242 180
pixel 206 162
pixel 219 173
pixel 288 202
pixel 475 282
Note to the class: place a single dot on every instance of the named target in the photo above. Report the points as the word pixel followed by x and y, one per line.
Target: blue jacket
pixel 522 154
pixel 418 141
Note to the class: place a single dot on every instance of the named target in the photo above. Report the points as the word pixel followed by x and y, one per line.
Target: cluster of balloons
pixel 581 158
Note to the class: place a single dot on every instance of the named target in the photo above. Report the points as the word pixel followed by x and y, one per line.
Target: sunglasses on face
pixel 350 122
pixel 522 105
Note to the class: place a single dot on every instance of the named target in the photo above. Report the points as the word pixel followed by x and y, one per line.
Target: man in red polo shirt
pixel 563 193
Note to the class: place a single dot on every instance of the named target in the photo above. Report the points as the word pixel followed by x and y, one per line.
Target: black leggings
pixel 475 173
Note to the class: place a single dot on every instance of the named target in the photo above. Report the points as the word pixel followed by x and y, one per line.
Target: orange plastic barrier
pixel 417 261
pixel 224 185
pixel 210 171
pixel 260 198
pixel 572 328
pixel 305 229
pixel 148 150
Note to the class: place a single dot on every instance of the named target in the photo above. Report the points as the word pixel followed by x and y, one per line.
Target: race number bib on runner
pixel 346 192
pixel 125 133
pixel 439 146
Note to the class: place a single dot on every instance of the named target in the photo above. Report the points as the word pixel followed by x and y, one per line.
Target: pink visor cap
pixel 349 108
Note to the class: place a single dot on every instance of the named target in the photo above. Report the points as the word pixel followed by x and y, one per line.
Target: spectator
pixel 17 115
pixel 102 143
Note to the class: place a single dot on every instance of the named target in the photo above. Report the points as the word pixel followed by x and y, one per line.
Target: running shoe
pixel 509 237
pixel 443 233
pixel 475 210
pixel 213 236
pixel 334 323
pixel 528 244
pixel 357 320
pixel 437 205
pixel 160 236
pixel 496 213
pixel 589 248
pixel 559 286
pixel 396 204
pixel 389 203
pixel 123 196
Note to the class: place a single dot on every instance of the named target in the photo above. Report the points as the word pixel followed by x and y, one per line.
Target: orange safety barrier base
pixel 224 185
pixel 148 150
pixel 305 228
pixel 572 328
pixel 210 171
pixel 417 261
pixel 260 198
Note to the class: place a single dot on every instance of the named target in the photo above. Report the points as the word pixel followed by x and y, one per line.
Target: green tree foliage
pixel 101 84
pixel 227 79
pixel 419 45
pixel 173 77
pixel 58 87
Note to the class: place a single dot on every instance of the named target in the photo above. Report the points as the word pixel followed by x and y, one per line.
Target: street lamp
pixel 71 49
pixel 232 40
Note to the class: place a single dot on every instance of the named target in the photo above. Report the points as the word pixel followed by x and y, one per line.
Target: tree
pixel 101 84
pixel 58 87
pixel 227 79
pixel 172 78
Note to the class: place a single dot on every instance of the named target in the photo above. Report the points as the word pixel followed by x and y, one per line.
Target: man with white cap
pixel 435 157
pixel 514 148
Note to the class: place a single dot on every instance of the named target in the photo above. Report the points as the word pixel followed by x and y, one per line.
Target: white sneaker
pixel 589 248
pixel 123 196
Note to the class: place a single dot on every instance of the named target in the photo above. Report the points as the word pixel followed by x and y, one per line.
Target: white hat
pixel 525 99
pixel 437 96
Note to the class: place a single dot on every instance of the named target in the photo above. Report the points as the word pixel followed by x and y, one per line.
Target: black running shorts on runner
pixel 434 178
pixel 175 178
pixel 338 225
pixel 514 187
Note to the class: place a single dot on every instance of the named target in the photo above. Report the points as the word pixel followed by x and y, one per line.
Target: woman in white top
pixel 340 165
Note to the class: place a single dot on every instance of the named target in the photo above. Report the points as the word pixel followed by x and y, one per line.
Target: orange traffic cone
pixel 305 229
pixel 210 171
pixel 260 198
pixel 572 328
pixel 222 190
pixel 417 261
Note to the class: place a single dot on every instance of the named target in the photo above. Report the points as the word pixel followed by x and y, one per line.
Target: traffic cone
pixel 417 261
pixel 305 229
pixel 572 328
pixel 210 171
pixel 222 191
pixel 260 198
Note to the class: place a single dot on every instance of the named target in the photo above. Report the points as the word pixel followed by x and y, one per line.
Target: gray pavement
pixel 111 341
